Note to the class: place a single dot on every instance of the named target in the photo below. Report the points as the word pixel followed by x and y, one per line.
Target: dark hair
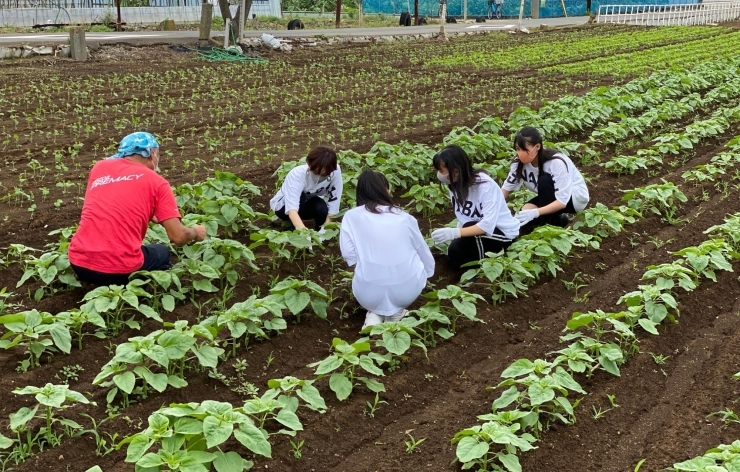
pixel 372 190
pixel 322 159
pixel 530 136
pixel 461 172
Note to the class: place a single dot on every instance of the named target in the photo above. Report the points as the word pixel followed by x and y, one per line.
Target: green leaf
pixel 253 439
pixel 510 461
pixel 5 442
pixel 296 301
pixel 696 464
pixel 216 431
pixel 369 366
pixel 157 381
pixel 137 447
pixel 150 460
pixel 125 381
pixel 518 368
pixel 149 312
pixel 397 343
pixel 311 395
pixel 469 449
pixel 176 381
pixel 175 343
pixel 289 419
pixel 204 285
pixel 22 416
pixel 207 355
pixel 230 462
pixel 61 336
pixel 329 364
pixel 506 398
pixel 168 302
pixel 648 326
pixel 340 385
pixel 539 394
pixel 372 385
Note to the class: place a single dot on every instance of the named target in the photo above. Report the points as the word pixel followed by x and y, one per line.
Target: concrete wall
pixel 28 17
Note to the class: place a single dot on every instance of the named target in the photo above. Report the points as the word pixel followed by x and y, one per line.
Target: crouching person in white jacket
pixel 392 259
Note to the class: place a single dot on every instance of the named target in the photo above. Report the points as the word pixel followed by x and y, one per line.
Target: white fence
pixel 664 15
pixel 28 17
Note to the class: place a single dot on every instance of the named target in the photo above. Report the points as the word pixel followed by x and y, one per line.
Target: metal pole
pixel 465 9
pixel 359 16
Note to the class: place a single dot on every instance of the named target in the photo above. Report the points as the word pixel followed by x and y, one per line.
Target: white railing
pixel 664 15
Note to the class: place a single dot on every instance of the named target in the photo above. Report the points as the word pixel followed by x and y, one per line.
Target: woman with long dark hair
pixel 391 257
pixel 552 175
pixel 484 223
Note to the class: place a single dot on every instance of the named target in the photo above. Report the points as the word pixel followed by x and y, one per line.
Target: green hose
pixel 217 54
pixel 221 54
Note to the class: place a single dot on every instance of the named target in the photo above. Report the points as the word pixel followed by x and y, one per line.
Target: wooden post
pixel 118 8
pixel 359 15
pixel 242 19
pixel 227 29
pixel 339 13
pixel 77 44
pixel 206 23
pixel 535 13
pixel 416 12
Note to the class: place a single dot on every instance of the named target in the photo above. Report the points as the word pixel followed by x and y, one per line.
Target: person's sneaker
pixel 397 317
pixel 372 319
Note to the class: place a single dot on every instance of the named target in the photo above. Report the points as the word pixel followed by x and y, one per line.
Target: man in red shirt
pixel 124 193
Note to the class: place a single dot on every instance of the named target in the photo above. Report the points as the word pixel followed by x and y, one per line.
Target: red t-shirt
pixel 120 201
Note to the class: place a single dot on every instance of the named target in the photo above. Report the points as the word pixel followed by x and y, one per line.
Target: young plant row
pixel 680 145
pixel 576 113
pixel 536 392
pixel 637 62
pixel 723 458
pixel 669 110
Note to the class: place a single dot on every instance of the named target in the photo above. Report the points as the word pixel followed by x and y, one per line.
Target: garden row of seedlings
pixel 537 390
pixel 182 343
pixel 723 458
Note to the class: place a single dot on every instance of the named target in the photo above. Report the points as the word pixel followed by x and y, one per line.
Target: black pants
pixel 545 196
pixel 156 257
pixel 474 248
pixel 314 208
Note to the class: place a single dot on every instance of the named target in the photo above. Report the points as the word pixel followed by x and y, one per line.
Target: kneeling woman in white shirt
pixel 311 191
pixel 393 262
pixel 552 175
pixel 484 223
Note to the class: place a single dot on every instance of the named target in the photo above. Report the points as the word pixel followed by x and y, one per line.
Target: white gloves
pixel 525 216
pixel 443 235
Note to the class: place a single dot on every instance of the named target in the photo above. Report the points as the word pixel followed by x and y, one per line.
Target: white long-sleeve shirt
pixel 567 178
pixel 301 180
pixel 393 260
pixel 486 207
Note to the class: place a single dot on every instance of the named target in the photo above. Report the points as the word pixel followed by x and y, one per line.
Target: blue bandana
pixel 136 143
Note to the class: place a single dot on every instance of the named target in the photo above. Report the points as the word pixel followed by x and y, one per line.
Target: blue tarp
pixel 548 8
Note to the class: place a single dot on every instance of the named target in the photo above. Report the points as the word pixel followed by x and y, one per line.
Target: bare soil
pixel 663 408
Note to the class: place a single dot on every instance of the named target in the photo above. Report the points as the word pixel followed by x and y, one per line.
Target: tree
pixel 236 28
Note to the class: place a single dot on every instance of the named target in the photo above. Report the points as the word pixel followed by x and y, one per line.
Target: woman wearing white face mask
pixel 560 187
pixel 311 191
pixel 485 224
